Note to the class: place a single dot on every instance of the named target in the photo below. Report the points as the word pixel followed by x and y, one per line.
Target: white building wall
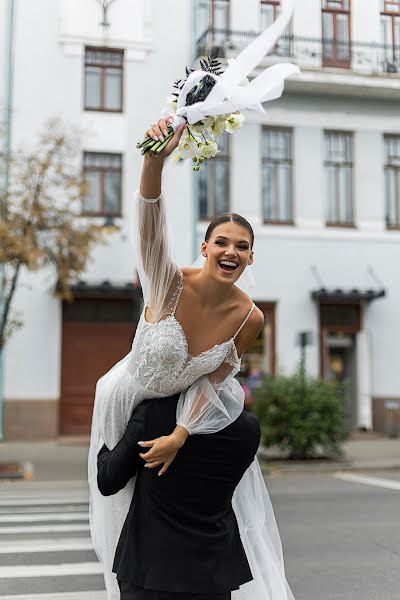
pixel 49 53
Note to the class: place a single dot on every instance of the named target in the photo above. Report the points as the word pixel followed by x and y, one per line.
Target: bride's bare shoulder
pixel 188 271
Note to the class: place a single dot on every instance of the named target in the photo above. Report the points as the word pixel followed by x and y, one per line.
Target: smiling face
pixel 228 251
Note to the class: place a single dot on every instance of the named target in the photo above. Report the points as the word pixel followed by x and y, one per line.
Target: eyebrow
pixel 239 241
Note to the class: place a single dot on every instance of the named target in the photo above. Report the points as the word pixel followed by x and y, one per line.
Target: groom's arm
pixel 116 467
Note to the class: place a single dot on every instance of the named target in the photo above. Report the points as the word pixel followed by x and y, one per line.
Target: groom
pixel 180 538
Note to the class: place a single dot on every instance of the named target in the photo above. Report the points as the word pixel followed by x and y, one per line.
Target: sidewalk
pixel 65 460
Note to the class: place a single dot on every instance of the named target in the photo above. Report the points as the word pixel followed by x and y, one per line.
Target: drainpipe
pixel 8 97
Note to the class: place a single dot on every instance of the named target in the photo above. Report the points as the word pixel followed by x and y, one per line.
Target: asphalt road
pixel 341 538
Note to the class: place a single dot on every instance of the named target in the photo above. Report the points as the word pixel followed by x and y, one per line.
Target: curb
pixel 275 468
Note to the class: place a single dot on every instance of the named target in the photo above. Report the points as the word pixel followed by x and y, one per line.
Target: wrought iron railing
pixel 370 58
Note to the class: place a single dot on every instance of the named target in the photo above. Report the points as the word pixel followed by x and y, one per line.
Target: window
pixel 336 33
pixel 339 178
pixel 270 9
pixel 277 176
pixel 390 27
pixel 212 14
pixel 259 358
pixel 392 179
pixel 213 182
pixel 102 173
pixel 103 79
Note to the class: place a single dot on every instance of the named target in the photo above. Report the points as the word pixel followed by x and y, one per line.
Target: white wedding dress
pixel 159 365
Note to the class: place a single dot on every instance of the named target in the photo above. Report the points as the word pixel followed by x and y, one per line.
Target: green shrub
pixel 301 415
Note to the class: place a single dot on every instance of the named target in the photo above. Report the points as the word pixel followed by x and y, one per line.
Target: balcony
pixel 328 66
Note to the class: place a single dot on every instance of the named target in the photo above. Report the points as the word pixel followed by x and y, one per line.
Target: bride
pixel 195 326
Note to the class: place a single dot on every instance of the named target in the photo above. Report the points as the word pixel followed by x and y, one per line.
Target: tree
pixel 41 222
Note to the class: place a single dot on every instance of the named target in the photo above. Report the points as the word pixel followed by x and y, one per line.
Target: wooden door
pixel 89 349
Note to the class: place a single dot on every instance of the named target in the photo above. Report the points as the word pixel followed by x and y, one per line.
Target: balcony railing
pixel 368 58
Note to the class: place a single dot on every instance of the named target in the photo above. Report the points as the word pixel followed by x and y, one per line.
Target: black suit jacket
pixel 181 533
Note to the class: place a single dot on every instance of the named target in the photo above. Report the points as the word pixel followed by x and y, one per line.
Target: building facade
pixel 317 176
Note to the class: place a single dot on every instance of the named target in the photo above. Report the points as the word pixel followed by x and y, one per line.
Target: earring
pixel 205 255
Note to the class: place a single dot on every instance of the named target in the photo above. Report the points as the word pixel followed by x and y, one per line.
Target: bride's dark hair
pixel 226 218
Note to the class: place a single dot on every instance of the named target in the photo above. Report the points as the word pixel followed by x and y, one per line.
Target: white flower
pixel 219 125
pixel 234 122
pixel 176 157
pixel 203 125
pixel 209 150
pixel 188 148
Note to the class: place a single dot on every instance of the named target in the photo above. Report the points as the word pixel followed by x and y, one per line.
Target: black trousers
pixel 130 591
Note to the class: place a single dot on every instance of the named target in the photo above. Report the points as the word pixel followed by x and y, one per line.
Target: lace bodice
pixel 161 364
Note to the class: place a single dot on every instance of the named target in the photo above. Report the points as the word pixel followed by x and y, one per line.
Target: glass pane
pixel 223 145
pixel 112 193
pixel 92 87
pixel 113 89
pixel 396 198
pixel 345 195
pixel 396 49
pixel 221 14
pixel 267 16
pixel 202 17
pixel 103 57
pixel 203 178
pixel 92 199
pixel 338 147
pixel 389 177
pixel 330 194
pixel 268 192
pixel 327 35
pixel 285 192
pixel 342 33
pixel 276 144
pixel 221 187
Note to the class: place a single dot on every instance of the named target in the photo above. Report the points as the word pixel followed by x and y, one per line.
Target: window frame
pixel 283 46
pixel 274 162
pixel 268 308
pixel 327 163
pixel 393 16
pixel 334 61
pixel 103 67
pixel 103 171
pixel 211 164
pixel 396 168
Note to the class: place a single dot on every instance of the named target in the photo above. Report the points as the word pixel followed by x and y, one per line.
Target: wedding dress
pixel 159 365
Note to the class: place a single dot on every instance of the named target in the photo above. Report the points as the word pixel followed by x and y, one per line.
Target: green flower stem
pixel 164 143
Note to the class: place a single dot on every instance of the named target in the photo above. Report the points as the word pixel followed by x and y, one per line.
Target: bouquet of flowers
pixel 198 141
pixel 209 101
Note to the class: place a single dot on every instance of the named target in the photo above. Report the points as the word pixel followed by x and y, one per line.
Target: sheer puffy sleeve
pixel 214 400
pixel 156 269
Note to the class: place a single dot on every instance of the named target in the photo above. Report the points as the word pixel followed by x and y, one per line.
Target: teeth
pixel 228 263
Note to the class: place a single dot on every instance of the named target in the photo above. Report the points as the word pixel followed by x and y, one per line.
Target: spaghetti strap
pixel 177 294
pixel 245 321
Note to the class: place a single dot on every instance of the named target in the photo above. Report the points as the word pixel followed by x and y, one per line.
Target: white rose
pixel 234 122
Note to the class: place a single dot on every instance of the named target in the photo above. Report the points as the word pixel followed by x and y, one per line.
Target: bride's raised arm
pixel 156 269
